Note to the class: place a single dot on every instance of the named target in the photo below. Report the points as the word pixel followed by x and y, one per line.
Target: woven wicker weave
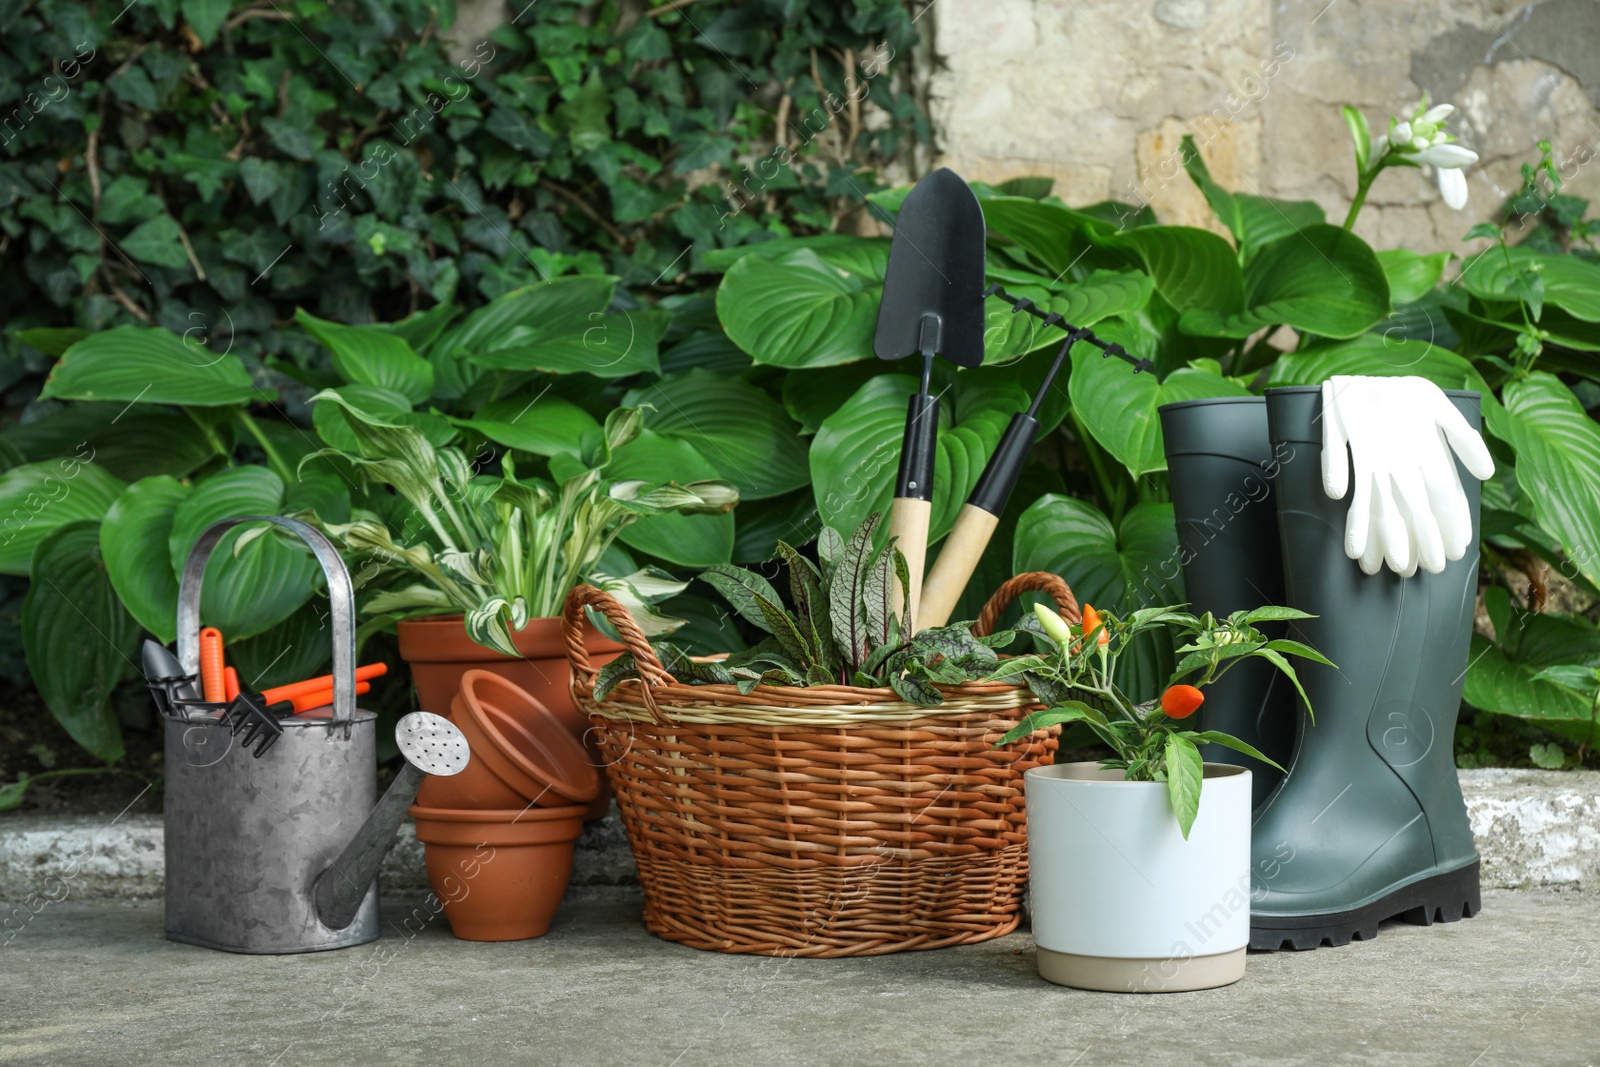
pixel 818 821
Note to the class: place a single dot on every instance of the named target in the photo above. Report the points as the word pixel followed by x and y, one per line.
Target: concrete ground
pixel 96 983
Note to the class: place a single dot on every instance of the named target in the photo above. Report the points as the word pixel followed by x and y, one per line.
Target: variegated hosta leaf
pixel 454 470
pixel 622 425
pixel 397 455
pixel 475 567
pixel 519 613
pixel 486 625
pixel 639 591
pixel 708 497
pixel 411 598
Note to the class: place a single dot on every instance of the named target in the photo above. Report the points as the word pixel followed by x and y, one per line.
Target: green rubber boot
pixel 1370 824
pixel 1222 469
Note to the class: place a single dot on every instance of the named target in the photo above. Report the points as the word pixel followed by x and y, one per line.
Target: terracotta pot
pixel 521 753
pixel 440 652
pixel 500 875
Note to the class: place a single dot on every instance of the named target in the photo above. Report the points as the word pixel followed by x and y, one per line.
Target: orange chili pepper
pixel 1181 701
pixel 1091 621
pixel 213 685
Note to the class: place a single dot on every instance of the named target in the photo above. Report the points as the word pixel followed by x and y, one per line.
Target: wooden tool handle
pixel 908 524
pixel 957 560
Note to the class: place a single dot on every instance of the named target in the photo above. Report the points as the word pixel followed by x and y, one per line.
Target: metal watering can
pixel 280 854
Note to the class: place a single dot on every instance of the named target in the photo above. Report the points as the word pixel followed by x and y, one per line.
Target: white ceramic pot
pixel 1121 902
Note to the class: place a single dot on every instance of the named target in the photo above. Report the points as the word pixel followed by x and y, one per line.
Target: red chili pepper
pixel 1091 621
pixel 1181 701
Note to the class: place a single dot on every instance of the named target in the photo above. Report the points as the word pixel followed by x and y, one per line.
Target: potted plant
pixel 834 790
pixel 1139 865
pixel 490 557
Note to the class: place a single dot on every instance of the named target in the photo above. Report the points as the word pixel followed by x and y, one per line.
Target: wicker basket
pixel 818 821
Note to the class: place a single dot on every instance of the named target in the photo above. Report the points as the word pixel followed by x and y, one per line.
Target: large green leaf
pixel 35 498
pixel 563 305
pixel 1377 355
pixel 129 440
pixel 1321 280
pixel 687 540
pixel 1502 674
pixel 1253 220
pixel 1191 268
pixel 1119 407
pixel 1412 276
pixel 134 544
pixel 744 433
pixel 610 346
pixel 79 641
pixel 249 590
pixel 380 403
pixel 856 452
pixel 1009 335
pixel 760 524
pixel 803 310
pixel 150 364
pixel 363 355
pixel 296 648
pixel 1122 569
pixel 1558 463
pixel 543 424
pixel 1569 282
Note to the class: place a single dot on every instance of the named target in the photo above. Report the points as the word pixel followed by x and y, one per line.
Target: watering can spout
pixel 430 744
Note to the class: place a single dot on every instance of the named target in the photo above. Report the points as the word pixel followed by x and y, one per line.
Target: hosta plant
pixel 845 628
pixel 502 549
pixel 1148 738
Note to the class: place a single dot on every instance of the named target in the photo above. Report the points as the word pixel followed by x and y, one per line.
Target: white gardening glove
pixel 1408 508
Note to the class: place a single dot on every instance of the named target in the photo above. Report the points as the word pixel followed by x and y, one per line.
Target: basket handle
pixel 1032 582
pixel 572 623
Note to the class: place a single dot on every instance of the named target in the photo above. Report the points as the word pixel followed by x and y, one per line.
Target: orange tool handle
pixel 230 682
pixel 317 685
pixel 212 684
pixel 322 698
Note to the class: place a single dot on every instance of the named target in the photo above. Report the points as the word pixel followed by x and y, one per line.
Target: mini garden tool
pixel 1369 824
pixel 165 678
pixel 364 673
pixel 260 719
pixel 249 841
pixel 213 680
pixel 976 523
pixel 1222 470
pixel 932 305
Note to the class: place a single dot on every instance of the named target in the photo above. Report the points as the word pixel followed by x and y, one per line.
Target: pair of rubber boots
pixel 1369 823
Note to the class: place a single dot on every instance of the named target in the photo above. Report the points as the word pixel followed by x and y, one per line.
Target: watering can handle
pixel 341 605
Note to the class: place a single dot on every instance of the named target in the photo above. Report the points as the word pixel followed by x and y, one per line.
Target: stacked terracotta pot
pixel 499 836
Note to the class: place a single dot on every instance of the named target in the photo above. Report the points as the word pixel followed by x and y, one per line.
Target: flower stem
pixel 1361 198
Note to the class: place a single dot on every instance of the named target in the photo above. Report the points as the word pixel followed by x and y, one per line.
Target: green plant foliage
pixel 1539 667
pixel 80 641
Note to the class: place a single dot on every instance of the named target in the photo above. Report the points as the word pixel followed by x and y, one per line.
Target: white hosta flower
pixel 1447 156
pixel 1452 186
pixel 1422 139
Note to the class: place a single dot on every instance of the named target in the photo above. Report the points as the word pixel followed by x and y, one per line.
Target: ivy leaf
pixel 156 241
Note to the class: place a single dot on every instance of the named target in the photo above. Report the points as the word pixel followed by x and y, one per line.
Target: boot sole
pixel 1445 898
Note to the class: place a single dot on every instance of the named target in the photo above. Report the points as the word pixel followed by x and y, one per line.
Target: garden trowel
pixel 933 304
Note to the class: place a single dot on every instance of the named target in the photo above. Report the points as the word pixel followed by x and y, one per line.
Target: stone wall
pixel 1098 93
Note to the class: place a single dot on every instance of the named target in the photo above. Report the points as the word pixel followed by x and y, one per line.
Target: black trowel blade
pixel 935 268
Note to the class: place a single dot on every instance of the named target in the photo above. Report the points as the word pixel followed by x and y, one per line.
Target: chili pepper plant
pixel 1149 739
